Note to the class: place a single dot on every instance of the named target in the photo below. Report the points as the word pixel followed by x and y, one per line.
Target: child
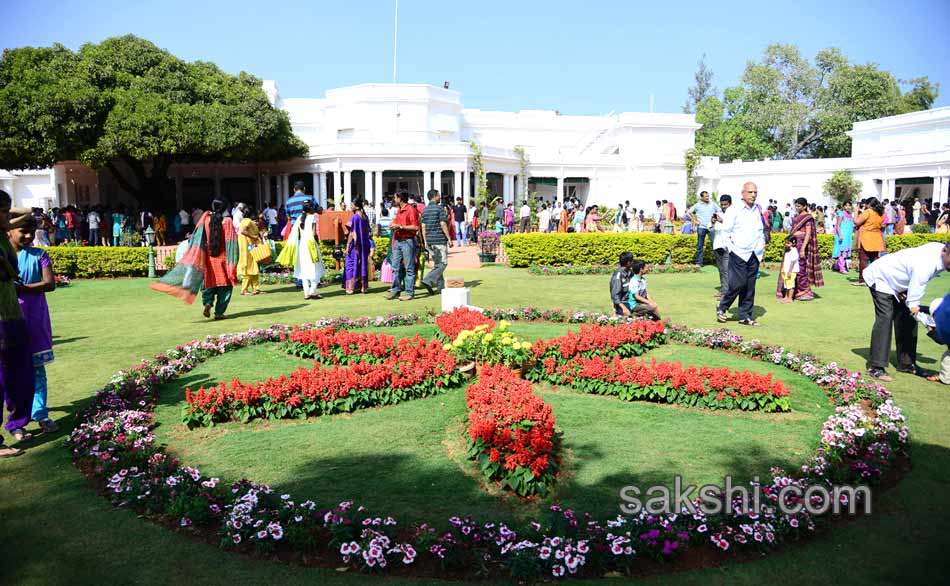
pixel 620 284
pixel 639 299
pixel 36 276
pixel 789 268
pixel 498 227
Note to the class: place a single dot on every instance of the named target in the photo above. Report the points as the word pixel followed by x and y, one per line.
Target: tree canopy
pixel 127 100
pixel 786 107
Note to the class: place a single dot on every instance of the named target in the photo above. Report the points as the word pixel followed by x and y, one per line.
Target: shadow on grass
pixel 63 341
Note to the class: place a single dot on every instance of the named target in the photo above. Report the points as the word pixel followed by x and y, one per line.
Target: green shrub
pixel 920 228
pixel 598 249
pixel 99 261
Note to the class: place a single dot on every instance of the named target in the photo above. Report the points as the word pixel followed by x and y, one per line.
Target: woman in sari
pixel 249 236
pixel 943 220
pixel 844 233
pixel 870 237
pixel 209 265
pixel 359 249
pixel 160 225
pixel 901 225
pixel 302 251
pixel 562 221
pixel 16 364
pixel 805 231
pixel 592 220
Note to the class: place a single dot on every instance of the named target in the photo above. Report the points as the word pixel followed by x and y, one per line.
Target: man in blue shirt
pixel 702 214
pixel 294 205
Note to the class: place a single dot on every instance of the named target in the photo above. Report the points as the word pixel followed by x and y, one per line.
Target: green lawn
pixel 408 460
pixel 58 531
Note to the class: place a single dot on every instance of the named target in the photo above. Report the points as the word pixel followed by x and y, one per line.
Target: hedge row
pixel 90 262
pixel 597 249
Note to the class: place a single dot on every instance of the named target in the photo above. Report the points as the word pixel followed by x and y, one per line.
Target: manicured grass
pixel 408 460
pixel 58 531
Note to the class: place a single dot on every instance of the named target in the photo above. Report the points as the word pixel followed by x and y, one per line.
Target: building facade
pixel 895 157
pixel 374 139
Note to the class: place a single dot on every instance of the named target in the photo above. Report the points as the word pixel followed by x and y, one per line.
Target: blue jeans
pixel 700 244
pixel 404 266
pixel 93 236
pixel 460 236
pixel 889 229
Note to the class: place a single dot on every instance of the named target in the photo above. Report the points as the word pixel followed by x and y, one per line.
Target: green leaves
pixel 126 99
pixel 786 107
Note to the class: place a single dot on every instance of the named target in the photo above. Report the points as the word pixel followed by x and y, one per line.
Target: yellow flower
pixel 456 343
pixel 447 347
pixel 488 338
pixel 526 345
pixel 485 341
pixel 481 327
pixel 503 325
pixel 506 341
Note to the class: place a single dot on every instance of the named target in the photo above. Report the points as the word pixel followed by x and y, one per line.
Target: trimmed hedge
pixel 89 262
pixel 598 249
pixel 99 261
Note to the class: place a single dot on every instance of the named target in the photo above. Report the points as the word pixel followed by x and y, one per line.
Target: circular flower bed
pixel 114 445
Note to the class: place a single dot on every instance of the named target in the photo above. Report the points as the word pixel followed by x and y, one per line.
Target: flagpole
pixel 395 38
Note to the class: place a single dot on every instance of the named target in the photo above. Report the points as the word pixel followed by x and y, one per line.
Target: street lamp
pixel 150 239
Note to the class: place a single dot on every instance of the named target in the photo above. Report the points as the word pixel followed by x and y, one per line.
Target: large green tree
pixel 787 107
pixel 134 109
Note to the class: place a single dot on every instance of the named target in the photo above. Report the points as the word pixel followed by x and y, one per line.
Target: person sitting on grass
pixel 620 283
pixel 789 269
pixel 639 300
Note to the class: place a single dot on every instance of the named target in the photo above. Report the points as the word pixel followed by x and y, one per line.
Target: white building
pixel 375 139
pixel 894 157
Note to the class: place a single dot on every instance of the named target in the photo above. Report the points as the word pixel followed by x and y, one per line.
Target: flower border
pixel 113 444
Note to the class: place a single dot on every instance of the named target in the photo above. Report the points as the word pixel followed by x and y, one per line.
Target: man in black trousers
pixel 746 235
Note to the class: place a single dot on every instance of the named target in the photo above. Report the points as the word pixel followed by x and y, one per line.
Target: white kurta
pixel 306 268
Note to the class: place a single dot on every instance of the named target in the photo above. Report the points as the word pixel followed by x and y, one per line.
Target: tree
pixel 842 186
pixel 127 106
pixel 806 109
pixel 702 89
pixel 787 107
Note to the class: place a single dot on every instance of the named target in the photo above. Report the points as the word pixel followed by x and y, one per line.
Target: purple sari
pixel 359 246
pixel 809 272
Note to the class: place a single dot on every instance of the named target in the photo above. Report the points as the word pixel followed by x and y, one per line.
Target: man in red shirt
pixel 404 228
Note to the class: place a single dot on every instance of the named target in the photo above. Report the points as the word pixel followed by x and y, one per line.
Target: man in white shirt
pixel 93 219
pixel 524 215
pixel 744 231
pixel 897 282
pixel 185 219
pixel 270 214
pixel 237 214
pixel 719 244
pixel 544 219
pixel 658 218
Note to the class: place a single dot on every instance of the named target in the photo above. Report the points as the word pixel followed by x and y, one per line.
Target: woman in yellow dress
pixel 249 236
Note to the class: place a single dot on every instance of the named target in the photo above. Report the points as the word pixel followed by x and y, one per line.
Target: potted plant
pixel 488 243
pixel 486 345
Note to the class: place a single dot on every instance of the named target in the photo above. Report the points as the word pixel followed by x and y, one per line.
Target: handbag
pixel 261 253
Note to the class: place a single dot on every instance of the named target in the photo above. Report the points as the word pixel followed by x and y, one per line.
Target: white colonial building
pixel 895 157
pixel 375 139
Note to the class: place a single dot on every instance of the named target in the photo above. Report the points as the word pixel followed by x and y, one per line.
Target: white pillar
pixel 284 187
pixel 426 184
pixel 337 187
pixel 368 186
pixel 457 177
pixel 560 189
pixel 316 187
pixel 466 189
pixel 887 189
pixel 379 188
pixel 347 188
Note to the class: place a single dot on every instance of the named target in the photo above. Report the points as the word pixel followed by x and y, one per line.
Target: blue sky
pixel 578 57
